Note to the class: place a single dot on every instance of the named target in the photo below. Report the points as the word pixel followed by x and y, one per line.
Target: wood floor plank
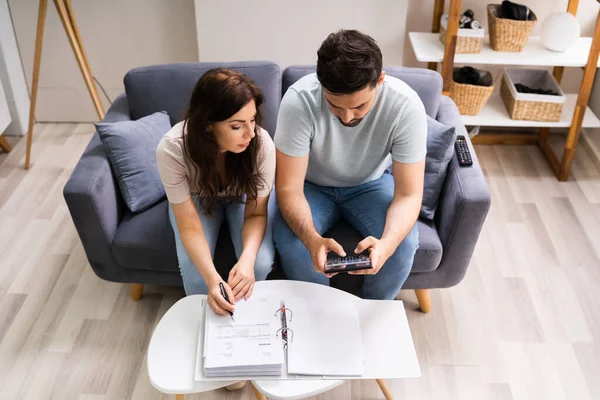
pixel 523 324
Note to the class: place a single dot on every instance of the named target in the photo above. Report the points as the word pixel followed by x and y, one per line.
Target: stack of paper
pixel 248 346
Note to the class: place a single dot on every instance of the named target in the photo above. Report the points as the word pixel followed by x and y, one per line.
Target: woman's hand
pixel 241 278
pixel 216 301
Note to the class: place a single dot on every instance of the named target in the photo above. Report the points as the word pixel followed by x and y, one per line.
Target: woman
pixel 218 164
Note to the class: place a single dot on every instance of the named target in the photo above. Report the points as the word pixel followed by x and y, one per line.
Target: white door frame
pixel 12 74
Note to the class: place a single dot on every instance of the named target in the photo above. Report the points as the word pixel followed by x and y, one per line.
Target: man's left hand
pixel 379 252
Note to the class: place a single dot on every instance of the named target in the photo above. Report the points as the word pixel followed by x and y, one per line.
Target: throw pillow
pixel 131 148
pixel 440 149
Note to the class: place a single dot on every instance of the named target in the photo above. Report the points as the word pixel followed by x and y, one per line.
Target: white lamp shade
pixel 560 31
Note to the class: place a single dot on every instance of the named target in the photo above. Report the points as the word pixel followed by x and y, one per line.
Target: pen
pixel 224 293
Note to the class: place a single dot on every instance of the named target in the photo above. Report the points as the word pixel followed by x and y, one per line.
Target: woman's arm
pixel 255 224
pixel 196 246
pixel 241 276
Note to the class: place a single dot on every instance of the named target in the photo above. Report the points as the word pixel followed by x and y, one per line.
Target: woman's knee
pixel 193 282
pixel 264 260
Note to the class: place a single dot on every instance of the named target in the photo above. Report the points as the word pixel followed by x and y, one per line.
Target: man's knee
pixel 405 252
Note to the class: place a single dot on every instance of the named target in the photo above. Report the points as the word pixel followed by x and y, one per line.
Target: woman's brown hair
pixel 218 95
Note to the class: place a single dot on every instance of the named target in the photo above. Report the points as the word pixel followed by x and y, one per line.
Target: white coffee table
pixel 387 343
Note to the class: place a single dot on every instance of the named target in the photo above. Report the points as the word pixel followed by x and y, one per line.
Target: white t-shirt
pixel 394 129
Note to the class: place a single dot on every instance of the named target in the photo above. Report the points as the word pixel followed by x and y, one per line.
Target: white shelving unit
pixel 428 48
pixel 494 113
pixel 576 114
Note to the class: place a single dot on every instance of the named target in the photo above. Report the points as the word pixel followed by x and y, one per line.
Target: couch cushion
pixel 427 83
pixel 429 253
pixel 146 240
pixel 440 149
pixel 169 87
pixel 131 149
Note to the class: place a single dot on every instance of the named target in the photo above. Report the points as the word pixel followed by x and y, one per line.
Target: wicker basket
pixel 508 34
pixel 470 98
pixel 468 41
pixel 531 107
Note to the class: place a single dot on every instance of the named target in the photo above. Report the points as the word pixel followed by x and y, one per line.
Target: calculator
pixel 348 263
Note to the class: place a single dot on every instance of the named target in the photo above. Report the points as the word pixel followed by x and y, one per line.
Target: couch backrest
pixel 427 83
pixel 169 87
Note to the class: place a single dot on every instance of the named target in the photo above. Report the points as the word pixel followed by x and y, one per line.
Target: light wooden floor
pixel 524 324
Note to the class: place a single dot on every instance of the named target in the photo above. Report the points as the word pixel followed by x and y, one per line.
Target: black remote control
pixel 348 263
pixel 462 151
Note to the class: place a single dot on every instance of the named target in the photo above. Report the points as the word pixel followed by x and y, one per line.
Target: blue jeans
pixel 365 208
pixel 233 212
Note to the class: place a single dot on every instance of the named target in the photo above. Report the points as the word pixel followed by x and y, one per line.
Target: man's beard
pixel 352 123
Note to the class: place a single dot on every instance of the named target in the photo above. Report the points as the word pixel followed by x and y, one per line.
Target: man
pixel 336 132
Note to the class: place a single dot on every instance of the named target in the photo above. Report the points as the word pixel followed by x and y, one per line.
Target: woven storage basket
pixel 470 98
pixel 468 41
pixel 508 34
pixel 531 107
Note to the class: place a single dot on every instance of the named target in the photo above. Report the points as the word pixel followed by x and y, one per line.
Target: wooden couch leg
pixel 424 299
pixel 136 290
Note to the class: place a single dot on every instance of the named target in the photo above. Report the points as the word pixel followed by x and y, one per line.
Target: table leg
pixel 257 394
pixel 384 388
pixel 180 397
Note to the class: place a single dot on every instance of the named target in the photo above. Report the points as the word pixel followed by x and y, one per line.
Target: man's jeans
pixel 365 208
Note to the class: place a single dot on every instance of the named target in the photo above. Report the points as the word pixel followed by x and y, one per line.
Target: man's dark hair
pixel 348 61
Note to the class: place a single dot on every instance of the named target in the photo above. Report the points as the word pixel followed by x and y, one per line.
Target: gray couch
pixel 122 246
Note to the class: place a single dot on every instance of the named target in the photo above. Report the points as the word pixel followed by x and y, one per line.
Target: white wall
pixel 122 34
pixel 117 35
pixel 16 94
pixel 289 32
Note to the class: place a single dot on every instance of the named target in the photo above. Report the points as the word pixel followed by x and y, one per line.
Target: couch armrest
pixel 463 207
pixel 94 200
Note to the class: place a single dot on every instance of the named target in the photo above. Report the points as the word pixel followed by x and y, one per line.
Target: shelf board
pixel 494 113
pixel 428 48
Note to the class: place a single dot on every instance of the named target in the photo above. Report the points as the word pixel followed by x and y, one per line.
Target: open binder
pixel 281 338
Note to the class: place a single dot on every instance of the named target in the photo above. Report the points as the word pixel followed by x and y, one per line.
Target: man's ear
pixel 381 78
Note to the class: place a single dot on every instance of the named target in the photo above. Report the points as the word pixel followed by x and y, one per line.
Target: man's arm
pixel 289 187
pixel 404 210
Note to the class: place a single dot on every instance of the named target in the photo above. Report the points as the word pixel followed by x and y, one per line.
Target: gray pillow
pixel 440 149
pixel 131 148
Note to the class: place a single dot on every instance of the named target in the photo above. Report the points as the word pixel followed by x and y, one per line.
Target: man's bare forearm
pixel 400 218
pixel 296 212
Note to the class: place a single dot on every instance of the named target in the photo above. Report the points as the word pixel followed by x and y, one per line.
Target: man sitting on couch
pixel 336 133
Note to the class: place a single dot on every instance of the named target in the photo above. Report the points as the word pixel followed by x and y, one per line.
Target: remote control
pixel 462 151
pixel 348 263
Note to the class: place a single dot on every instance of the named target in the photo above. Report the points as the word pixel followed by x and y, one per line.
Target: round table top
pixel 173 347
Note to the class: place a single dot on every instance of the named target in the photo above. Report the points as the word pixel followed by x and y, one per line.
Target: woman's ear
pixel 209 127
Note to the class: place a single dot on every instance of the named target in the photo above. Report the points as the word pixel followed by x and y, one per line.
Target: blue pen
pixel 224 293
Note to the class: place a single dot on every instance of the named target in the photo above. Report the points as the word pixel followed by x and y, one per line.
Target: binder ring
pixel 284 331
pixel 284 310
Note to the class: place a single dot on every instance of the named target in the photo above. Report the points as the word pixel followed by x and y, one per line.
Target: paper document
pixel 247 346
pixel 326 340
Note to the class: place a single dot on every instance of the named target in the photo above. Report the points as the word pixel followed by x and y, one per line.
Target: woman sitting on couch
pixel 219 164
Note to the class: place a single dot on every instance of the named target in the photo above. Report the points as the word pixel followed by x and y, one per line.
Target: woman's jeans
pixel 233 213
